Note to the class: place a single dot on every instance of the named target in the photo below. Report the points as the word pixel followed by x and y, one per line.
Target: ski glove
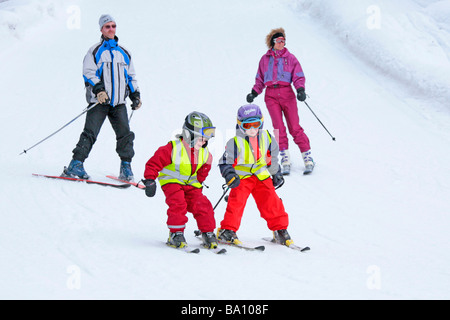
pixel 301 95
pixel 136 100
pixel 251 96
pixel 100 92
pixel 102 97
pixel 278 179
pixel 232 183
pixel 150 187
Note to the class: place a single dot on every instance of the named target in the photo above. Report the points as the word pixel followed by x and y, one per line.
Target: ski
pixel 186 249
pixel 131 183
pixel 237 245
pixel 243 246
pixel 88 181
pixel 217 250
pixel 292 246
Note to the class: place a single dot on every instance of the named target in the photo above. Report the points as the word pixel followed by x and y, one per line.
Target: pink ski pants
pixel 282 101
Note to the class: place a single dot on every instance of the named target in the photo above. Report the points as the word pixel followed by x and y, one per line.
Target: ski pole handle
pixel 230 182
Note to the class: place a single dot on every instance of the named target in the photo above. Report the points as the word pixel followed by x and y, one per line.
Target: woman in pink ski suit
pixel 278 68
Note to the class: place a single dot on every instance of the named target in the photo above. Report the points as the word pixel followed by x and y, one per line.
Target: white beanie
pixel 105 18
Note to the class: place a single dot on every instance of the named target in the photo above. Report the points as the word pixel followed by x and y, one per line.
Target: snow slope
pixel 375 212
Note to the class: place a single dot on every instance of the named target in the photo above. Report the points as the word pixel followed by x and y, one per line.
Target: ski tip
pixel 260 248
pixel 222 251
pixel 197 233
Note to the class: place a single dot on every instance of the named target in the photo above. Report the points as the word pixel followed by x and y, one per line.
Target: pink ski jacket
pixel 279 68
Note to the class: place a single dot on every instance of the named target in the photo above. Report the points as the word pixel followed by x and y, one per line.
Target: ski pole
pixel 84 111
pixel 132 112
pixel 334 139
pixel 225 192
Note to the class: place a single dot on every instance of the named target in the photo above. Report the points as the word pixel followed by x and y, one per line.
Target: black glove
pixel 251 96
pixel 278 179
pixel 301 95
pixel 150 187
pixel 135 98
pixel 232 183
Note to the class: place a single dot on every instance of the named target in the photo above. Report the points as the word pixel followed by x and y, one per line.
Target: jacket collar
pixel 279 53
pixel 110 43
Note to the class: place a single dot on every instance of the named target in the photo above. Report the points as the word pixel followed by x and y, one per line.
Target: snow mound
pixel 408 41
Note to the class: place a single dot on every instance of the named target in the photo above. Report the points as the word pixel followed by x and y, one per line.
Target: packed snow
pixel 375 212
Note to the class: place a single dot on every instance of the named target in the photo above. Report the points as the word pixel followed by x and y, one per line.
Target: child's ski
pixel 186 249
pixel 198 235
pixel 243 246
pixel 292 246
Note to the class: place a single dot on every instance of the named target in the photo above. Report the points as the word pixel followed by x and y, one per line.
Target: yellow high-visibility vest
pixel 180 170
pixel 246 163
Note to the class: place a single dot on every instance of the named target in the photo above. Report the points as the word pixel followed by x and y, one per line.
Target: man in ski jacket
pixel 250 166
pixel 110 78
pixel 278 68
pixel 181 166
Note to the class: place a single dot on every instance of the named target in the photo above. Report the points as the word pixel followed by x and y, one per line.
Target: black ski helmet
pixel 194 125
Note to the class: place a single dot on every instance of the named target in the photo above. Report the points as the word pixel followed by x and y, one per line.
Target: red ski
pixel 131 183
pixel 106 184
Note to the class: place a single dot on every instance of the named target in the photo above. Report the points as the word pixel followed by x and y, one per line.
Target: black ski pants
pixel 95 117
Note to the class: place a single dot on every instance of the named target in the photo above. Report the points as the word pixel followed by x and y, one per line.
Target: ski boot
pixel 228 236
pixel 75 170
pixel 209 240
pixel 309 162
pixel 285 162
pixel 282 237
pixel 176 240
pixel 125 171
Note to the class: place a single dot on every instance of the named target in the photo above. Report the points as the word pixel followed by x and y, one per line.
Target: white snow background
pixel 375 212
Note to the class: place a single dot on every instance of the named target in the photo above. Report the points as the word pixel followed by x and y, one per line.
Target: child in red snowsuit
pixel 181 166
pixel 250 166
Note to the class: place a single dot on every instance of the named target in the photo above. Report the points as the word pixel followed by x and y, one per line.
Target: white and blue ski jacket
pixel 111 64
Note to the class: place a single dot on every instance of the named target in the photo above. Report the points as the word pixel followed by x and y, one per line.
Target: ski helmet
pixel 197 124
pixel 249 112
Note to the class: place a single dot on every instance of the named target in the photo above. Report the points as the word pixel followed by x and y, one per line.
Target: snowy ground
pixel 375 212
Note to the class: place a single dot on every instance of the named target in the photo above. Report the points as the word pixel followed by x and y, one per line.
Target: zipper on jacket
pixel 112 78
pixel 118 82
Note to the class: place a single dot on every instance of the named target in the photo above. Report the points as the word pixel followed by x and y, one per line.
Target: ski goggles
pixel 255 123
pixel 208 132
pixel 279 40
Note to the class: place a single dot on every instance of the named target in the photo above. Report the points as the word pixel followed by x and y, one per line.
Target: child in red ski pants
pixel 250 167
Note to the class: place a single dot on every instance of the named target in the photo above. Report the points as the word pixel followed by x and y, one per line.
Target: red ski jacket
pixel 163 157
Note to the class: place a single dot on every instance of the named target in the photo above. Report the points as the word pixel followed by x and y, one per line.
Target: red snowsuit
pixel 269 204
pixel 183 198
